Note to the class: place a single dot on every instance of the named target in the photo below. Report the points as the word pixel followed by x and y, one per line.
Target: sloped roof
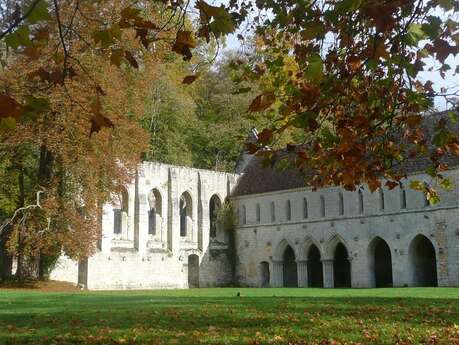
pixel 258 178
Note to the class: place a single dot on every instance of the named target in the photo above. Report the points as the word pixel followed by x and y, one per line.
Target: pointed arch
pixel 315 267
pixel 120 213
pixel 331 244
pixel 423 261
pixel 289 267
pixel 155 212
pixel 379 258
pixel 304 248
pixel 341 266
pixel 280 249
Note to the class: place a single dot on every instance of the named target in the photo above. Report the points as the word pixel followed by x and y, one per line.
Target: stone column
pixel 302 269
pixel 442 254
pixel 327 265
pixel 173 224
pixel 141 237
pixel 203 214
pixel 277 278
pixel 107 229
pixel 131 213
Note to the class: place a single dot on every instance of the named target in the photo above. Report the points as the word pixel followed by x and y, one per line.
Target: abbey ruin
pixel 165 232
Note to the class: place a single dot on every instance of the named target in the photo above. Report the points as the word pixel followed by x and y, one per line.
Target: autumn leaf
pixel 262 102
pixel 189 79
pixel 265 136
pixel 131 59
pixel 9 107
pixel 98 120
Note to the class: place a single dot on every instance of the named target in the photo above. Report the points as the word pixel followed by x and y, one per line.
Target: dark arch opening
pixel 382 264
pixel 290 270
pixel 423 261
pixel 193 271
pixel 315 272
pixel 264 274
pixel 214 207
pixel 341 267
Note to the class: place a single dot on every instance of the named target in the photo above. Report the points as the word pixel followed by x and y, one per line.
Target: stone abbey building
pixel 164 233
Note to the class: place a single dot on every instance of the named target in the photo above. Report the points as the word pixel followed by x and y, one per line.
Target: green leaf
pixel 433 27
pixel 39 13
pixel 34 106
pixel 452 116
pixel 441 138
pixel 446 4
pixel 315 67
pixel 21 37
pixel 222 25
pixel 347 5
pixel 447 184
pixel 417 185
pixel 415 34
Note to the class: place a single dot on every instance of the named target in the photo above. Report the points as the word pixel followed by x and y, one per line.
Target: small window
pixel 381 199
pixel 288 210
pixel 244 215
pixel 117 221
pixel 273 212
pixel 322 206
pixel 258 213
pixel 341 204
pixel 152 222
pixel 305 208
pixel 361 204
pixel 402 197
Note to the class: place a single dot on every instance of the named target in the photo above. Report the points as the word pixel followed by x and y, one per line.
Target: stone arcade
pixel 164 233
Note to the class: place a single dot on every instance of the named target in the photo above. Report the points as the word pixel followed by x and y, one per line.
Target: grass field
pixel 219 316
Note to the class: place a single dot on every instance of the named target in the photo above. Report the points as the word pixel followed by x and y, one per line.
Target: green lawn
pixel 218 316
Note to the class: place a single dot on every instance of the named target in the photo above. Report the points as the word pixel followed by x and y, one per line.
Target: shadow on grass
pixel 26 317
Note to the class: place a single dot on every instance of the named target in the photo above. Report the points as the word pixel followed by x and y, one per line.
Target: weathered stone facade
pixel 163 234
pixel 359 239
pixel 144 245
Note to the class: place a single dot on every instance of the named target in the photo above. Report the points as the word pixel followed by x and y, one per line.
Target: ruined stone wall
pixel 135 258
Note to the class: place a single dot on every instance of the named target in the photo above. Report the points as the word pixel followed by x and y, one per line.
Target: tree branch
pixel 18 21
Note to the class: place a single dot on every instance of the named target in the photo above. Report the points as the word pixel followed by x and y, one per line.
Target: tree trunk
pixel 6 260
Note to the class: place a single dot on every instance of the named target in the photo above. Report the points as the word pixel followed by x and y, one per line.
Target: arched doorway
pixel 264 274
pixel 341 267
pixel 193 271
pixel 315 272
pixel 380 260
pixel 289 268
pixel 423 262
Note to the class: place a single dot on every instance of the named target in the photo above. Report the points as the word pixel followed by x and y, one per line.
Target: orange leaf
pixel 9 107
pixel 189 79
pixel 131 59
pixel 262 102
